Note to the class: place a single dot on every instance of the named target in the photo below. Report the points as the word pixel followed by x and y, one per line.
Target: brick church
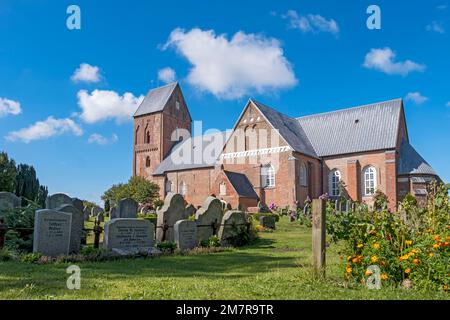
pixel 273 158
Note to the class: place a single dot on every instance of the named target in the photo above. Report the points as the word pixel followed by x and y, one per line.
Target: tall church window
pixel 334 180
pixel 370 181
pixel 223 189
pixel 147 137
pixel 183 188
pixel 147 162
pixel 268 176
pixel 136 135
pixel 303 175
pixel 169 186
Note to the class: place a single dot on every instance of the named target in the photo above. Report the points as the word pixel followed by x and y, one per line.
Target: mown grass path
pixel 276 267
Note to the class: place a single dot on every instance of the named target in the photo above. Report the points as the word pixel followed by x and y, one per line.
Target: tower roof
pixel 156 99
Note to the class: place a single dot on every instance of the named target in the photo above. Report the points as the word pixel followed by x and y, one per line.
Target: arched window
pixel 369 181
pixel 246 138
pixel 183 188
pixel 147 162
pixel 147 137
pixel 303 175
pixel 222 189
pixel 136 135
pixel 335 178
pixel 268 176
pixel 169 185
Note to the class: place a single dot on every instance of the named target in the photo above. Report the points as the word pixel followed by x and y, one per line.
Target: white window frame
pixel 333 182
pixel 369 181
pixel 303 175
pixel 183 188
pixel 268 176
pixel 223 189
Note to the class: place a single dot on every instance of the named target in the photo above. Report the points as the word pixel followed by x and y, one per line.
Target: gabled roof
pixel 411 162
pixel 241 184
pixel 197 157
pixel 156 99
pixel 289 129
pixel 359 129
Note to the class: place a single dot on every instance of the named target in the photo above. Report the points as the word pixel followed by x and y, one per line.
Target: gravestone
pixel 127 208
pixel 208 218
pixel 56 200
pixel 267 222
pixel 52 232
pixel 101 217
pixel 185 234
pixel 77 226
pixel 190 211
pixel 113 213
pixel 8 201
pixel 233 224
pixel 129 236
pixel 96 210
pixel 172 211
pixel 77 203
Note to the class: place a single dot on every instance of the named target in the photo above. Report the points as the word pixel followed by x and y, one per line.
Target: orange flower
pixel 355 260
pixel 437 238
pixel 359 246
pixel 416 261
pixel 408 270
pixel 436 245
pixel 405 257
pixel 376 246
pixel 349 258
pixel 408 242
pixel 445 287
pixel 374 259
pixel 349 270
pixel 373 232
pixel 384 276
pixel 431 254
pixel 368 273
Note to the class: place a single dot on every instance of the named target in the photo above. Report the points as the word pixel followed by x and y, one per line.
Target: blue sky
pixel 301 57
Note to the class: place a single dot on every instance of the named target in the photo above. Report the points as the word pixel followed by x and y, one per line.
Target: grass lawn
pixel 276 267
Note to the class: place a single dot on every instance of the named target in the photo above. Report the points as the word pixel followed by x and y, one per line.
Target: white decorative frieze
pixel 254 153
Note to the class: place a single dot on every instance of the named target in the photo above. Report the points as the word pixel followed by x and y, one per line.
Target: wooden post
pixel 318 237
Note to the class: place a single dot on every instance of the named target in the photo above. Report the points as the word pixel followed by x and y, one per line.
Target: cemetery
pixel 209 252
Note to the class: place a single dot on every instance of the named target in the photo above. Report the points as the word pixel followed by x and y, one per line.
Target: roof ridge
pixel 350 108
pixel 264 105
pixel 166 85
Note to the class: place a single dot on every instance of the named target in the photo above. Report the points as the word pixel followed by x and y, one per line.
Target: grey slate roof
pixel 358 129
pixel 289 129
pixel 196 157
pixel 156 99
pixel 411 162
pixel 241 184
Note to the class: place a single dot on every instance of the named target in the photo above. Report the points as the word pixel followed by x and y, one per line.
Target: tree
pixel 107 205
pixel 8 173
pixel 27 185
pixel 137 188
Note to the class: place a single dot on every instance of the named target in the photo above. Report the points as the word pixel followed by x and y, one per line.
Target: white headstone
pixel 52 232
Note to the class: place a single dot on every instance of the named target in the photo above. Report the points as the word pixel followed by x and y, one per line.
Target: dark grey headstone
pixel 77 226
pixel 233 224
pixel 56 200
pixel 8 201
pixel 211 212
pixel 172 211
pixel 267 222
pixel 127 208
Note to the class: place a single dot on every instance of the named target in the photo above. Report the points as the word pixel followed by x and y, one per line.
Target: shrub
pixel 22 220
pixel 31 257
pixel 212 242
pixel 412 244
pixel 7 255
pixel 167 246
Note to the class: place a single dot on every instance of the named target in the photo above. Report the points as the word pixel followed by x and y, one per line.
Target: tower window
pixel 147 162
pixel 147 137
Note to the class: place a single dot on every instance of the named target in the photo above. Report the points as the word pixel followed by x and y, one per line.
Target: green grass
pixel 276 267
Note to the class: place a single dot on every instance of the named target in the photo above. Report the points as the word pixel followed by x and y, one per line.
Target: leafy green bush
pixel 167 246
pixel 22 221
pixel 7 255
pixel 152 217
pixel 212 242
pixel 31 257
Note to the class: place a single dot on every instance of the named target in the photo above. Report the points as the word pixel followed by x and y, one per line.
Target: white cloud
pixel 232 68
pixel 167 75
pixel 104 105
pixel 101 140
pixel 416 97
pixel 311 23
pixel 86 73
pixel 384 60
pixel 9 107
pixel 45 129
pixel 436 27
